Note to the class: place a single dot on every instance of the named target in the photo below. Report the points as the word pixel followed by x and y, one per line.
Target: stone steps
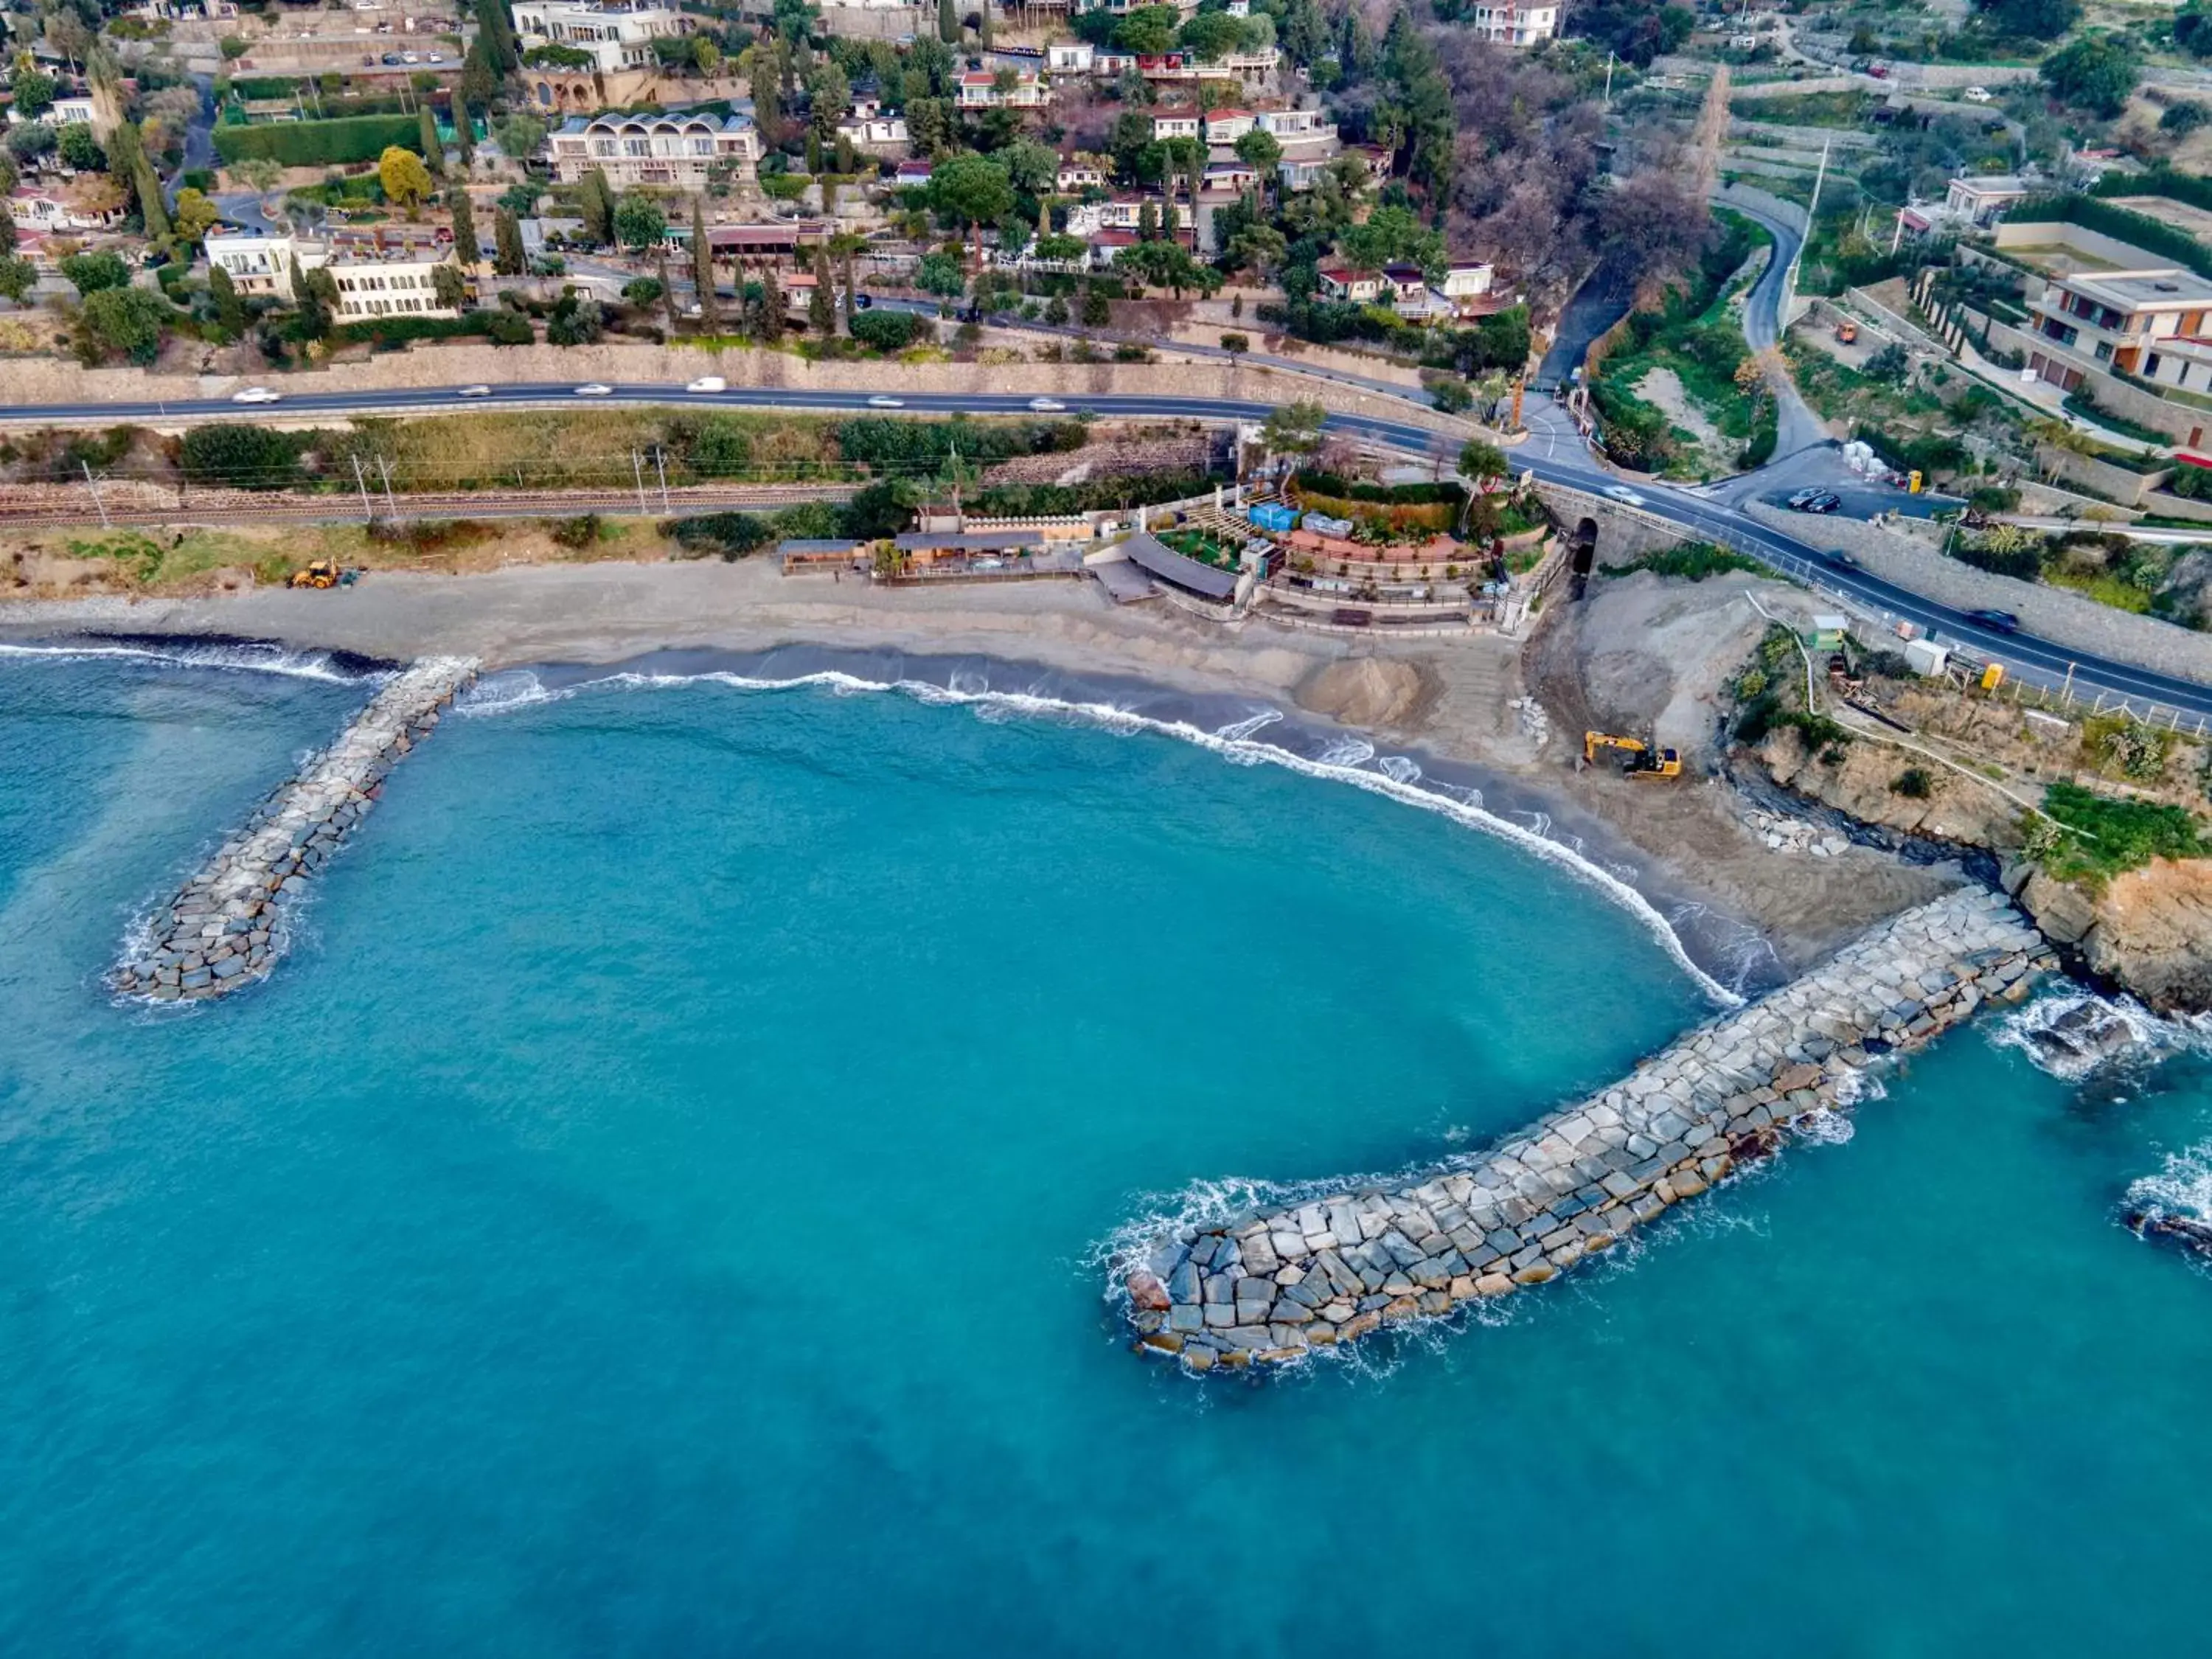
pixel 224 929
pixel 1274 1285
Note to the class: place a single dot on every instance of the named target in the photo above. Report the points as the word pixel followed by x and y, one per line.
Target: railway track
pixel 81 507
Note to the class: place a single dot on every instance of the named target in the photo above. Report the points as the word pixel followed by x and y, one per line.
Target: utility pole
pixel 1812 219
pixel 391 505
pixel 95 484
pixel 637 468
pixel 661 465
pixel 1608 80
pixel 368 508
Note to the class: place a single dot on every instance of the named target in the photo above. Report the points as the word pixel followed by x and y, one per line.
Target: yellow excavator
pixel 323 572
pixel 1640 758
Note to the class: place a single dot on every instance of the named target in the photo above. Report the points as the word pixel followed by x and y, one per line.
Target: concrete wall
pixel 2129 489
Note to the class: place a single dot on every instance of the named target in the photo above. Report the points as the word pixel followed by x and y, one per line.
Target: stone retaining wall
pixel 1274 1284
pixel 224 930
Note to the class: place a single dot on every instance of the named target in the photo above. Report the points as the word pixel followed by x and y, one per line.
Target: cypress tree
pixel 507 238
pixel 498 32
pixel 465 227
pixel 821 310
pixel 434 153
pixel 229 311
pixel 702 269
pixel 465 129
pixel 598 207
pixel 771 320
pixel 948 23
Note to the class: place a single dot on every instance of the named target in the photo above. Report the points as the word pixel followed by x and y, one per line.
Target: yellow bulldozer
pixel 323 572
pixel 1639 758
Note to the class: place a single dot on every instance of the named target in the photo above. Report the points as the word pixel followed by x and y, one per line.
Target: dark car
pixel 1799 497
pixel 1841 559
pixel 1999 622
pixel 390 57
pixel 862 301
pixel 1826 501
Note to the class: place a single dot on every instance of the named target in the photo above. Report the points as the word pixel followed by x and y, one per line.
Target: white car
pixel 255 394
pixel 708 383
pixel 1976 95
pixel 474 391
pixel 437 56
pixel 1047 406
pixel 885 400
pixel 1623 493
pixel 596 389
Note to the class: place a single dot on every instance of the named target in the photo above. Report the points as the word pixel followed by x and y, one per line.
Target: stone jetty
pixel 225 930
pixel 1275 1284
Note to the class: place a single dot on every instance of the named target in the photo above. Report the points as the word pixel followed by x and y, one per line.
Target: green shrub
pixel 2097 837
pixel 1693 561
pixel 1913 783
pixel 888 330
pixel 234 455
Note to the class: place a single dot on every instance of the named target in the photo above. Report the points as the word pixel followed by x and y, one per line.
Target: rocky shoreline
pixel 1274 1284
pixel 224 929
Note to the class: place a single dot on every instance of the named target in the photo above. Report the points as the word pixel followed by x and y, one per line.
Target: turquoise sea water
pixel 653 1211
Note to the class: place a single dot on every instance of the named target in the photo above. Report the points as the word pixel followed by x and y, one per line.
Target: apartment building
pixel 1175 124
pixel 663 151
pixel 980 89
pixel 617 33
pixel 2149 323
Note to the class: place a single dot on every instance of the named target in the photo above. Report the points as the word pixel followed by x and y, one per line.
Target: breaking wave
pixel 1344 761
pixel 335 668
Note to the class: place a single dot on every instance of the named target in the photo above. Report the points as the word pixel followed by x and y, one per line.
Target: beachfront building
pixel 679 152
pixel 617 34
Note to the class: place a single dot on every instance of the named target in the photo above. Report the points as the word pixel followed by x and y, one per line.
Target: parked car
pixel 1997 621
pixel 1623 493
pixel 885 400
pixel 255 394
pixel 708 383
pixel 1816 501
pixel 437 56
pixel 389 59
pixel 474 391
pixel 1879 72
pixel 863 301
pixel 1047 406
pixel 1976 95
pixel 595 389
pixel 1798 498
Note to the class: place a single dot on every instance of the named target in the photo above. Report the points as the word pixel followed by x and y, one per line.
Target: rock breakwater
pixel 224 929
pixel 1275 1284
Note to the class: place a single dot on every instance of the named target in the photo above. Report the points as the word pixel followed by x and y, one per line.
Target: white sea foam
pixel 2070 1033
pixel 505 692
pixel 1336 764
pixel 1237 731
pixel 1399 768
pixel 2182 1189
pixel 252 659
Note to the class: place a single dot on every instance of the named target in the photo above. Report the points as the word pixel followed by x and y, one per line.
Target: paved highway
pixel 1555 453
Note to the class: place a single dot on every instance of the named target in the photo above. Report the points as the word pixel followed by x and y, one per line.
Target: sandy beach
pixel 1451 699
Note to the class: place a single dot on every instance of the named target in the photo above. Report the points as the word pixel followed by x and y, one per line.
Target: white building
pixel 980 89
pixel 74 110
pixel 877 130
pixel 380 273
pixel 668 151
pixel 1069 57
pixel 1507 24
pixel 617 33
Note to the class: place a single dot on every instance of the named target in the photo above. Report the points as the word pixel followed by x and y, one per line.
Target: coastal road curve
pixel 1555 452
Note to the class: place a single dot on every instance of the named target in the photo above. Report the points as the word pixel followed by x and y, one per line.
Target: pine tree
pixel 703 270
pixel 465 227
pixel 434 153
pixel 821 306
pixel 507 238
